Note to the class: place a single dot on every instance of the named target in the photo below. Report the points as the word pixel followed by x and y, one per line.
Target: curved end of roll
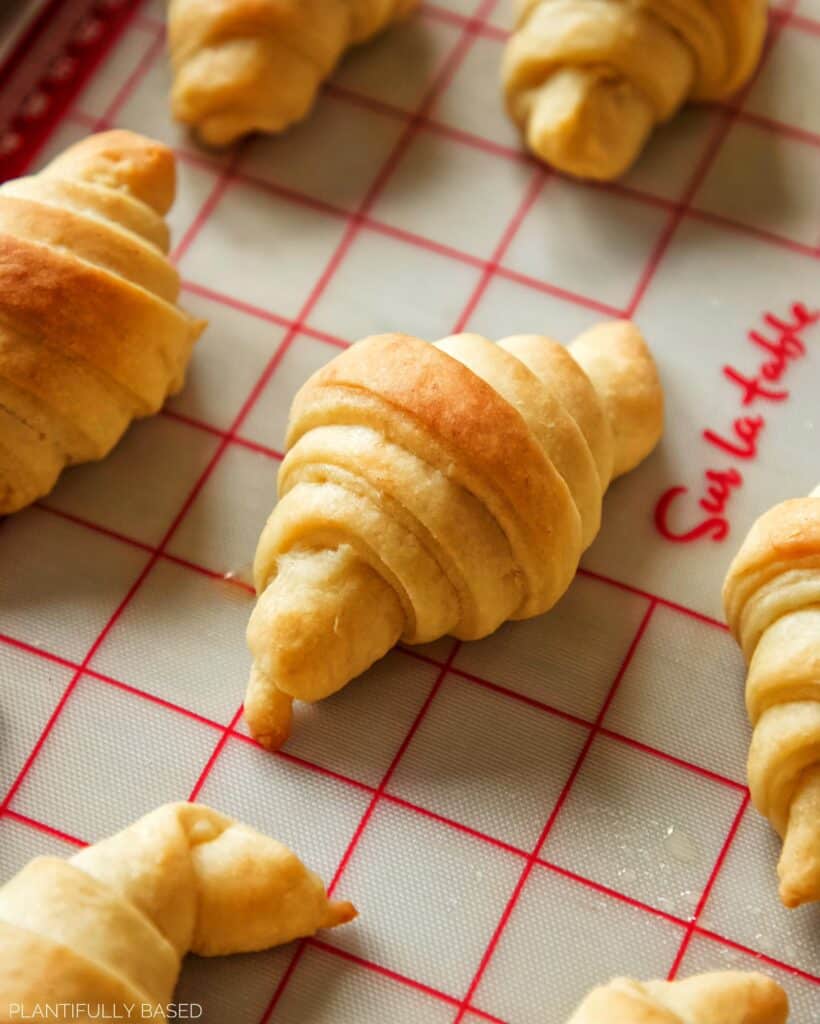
pixel 216 130
pixel 21 484
pixel 769 1003
pixel 218 120
pixel 702 999
pixel 268 711
pixel 339 912
pixel 242 86
pixel 747 39
pixel 585 123
pixel 617 360
pixel 745 996
pixel 121 160
pixel 799 865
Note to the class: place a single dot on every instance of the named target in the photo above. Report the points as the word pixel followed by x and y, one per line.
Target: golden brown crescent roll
pixel 435 489
pixel 109 927
pixel 723 997
pixel 256 65
pixel 90 333
pixel 772 602
pixel 587 80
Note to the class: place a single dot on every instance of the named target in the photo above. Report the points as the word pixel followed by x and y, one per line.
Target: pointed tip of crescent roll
pixel 799 865
pixel 268 711
pixel 339 912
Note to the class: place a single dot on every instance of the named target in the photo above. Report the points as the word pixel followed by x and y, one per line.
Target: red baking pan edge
pixel 97 27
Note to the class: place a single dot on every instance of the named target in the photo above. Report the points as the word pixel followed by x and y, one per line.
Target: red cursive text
pixel 782 345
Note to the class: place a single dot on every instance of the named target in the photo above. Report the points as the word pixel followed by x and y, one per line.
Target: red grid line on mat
pixel 719 136
pixel 802 22
pixel 778 127
pixel 678 211
pixel 262 314
pixel 437 994
pixel 480 26
pixel 489 30
pixel 493 266
pixel 533 857
pixel 228 732
pixel 519 155
pixel 361 828
pixel 400 978
pixel 166 556
pixel 707 620
pixel 272 453
pixel 504 691
pixel 783 12
pixel 496 687
pixel 208 428
pixel 542 863
pixel 531 193
pixel 336 260
pixel 710 156
pixel 707 890
pixel 441 81
pixel 40 826
pixel 128 87
pixel 765 958
pixel 220 746
pixel 475 25
pixel 731 110
pixel 72 685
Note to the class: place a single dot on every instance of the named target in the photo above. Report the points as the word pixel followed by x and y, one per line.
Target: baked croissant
pixel 723 997
pixel 434 489
pixel 772 602
pixel 587 80
pixel 110 926
pixel 256 65
pixel 90 334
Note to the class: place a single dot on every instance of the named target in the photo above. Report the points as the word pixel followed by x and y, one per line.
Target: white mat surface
pixel 518 818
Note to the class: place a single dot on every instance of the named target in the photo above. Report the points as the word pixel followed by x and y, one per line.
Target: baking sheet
pixel 517 818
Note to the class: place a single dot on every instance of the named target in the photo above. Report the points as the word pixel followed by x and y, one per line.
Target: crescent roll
pixel 242 66
pixel 109 927
pixel 772 602
pixel 436 489
pixel 587 80
pixel 723 997
pixel 91 336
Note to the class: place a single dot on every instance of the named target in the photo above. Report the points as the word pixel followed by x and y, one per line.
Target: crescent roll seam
pixel 423 433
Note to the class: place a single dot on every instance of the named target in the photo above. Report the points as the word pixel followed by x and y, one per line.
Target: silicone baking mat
pixel 517 818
